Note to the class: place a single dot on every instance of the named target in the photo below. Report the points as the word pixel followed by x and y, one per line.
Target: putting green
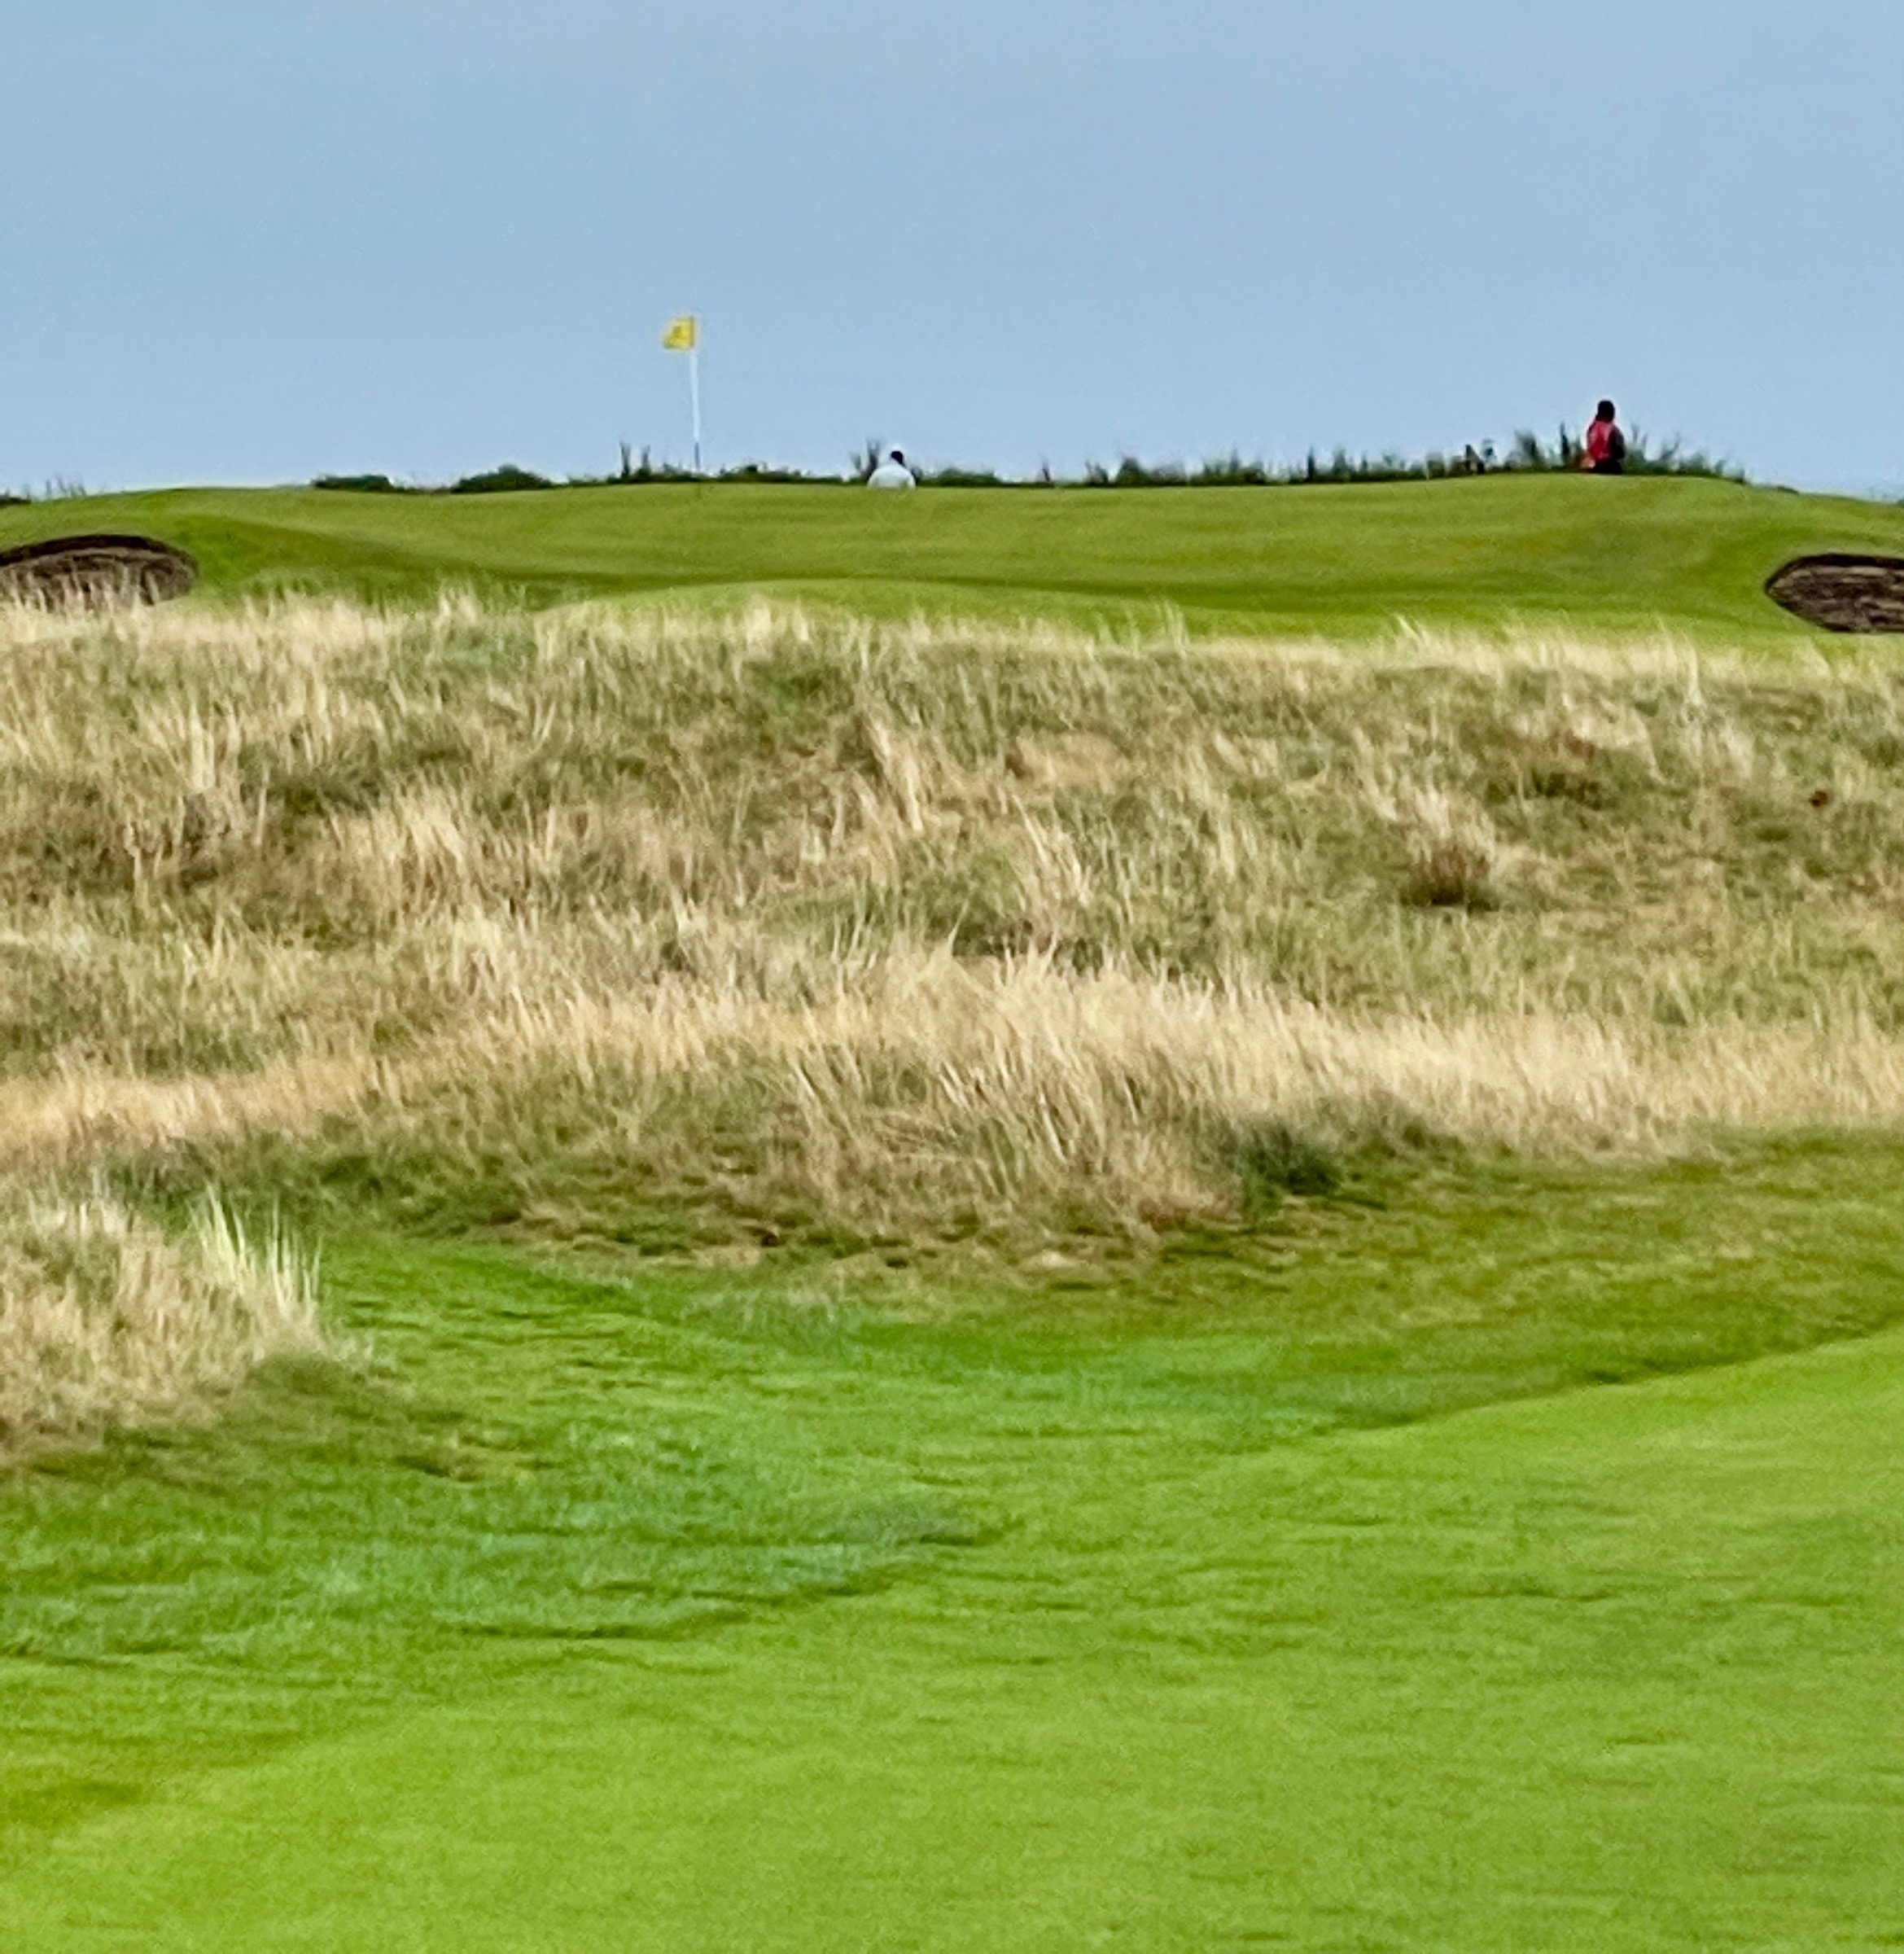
pixel 1614 1670
pixel 1623 554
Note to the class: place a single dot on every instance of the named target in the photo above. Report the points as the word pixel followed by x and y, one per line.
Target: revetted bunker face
pixel 1842 592
pixel 95 572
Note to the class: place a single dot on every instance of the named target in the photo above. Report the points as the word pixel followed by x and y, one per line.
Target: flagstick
pixel 694 397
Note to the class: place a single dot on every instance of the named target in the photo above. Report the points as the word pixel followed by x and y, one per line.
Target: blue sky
pixel 256 242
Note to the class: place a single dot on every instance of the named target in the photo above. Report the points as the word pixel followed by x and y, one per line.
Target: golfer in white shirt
pixel 892 473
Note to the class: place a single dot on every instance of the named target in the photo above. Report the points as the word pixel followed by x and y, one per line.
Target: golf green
pixel 1626 554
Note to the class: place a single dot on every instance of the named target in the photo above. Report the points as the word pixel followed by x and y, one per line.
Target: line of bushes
pixel 1526 454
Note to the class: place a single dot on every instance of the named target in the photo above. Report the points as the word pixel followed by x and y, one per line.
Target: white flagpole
pixel 694 392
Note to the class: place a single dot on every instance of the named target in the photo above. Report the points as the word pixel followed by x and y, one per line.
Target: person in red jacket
pixel 1604 451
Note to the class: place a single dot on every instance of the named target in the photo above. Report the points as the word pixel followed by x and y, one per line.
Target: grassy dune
pixel 1606 555
pixel 728 933
pixel 924 928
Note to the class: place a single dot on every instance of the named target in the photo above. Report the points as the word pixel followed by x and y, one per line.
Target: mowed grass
pixel 1615 555
pixel 1214 1608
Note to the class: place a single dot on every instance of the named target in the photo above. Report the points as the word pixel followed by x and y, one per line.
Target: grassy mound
pixel 1606 555
pixel 814 930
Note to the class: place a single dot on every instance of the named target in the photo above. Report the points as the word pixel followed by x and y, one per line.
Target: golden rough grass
pixel 925 923
pixel 105 1319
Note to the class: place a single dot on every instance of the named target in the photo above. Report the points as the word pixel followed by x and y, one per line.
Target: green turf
pixel 1300 1590
pixel 1621 554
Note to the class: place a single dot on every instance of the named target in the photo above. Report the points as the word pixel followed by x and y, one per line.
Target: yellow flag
pixel 683 335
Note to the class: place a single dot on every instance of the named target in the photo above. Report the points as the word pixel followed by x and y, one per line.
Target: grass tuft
pixel 106 1320
pixel 1272 1160
pixel 1454 853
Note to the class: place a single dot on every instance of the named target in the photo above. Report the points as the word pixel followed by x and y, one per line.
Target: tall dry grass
pixel 926 926
pixel 105 1318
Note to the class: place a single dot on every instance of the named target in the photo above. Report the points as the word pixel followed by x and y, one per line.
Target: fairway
pixel 1116 1634
pixel 1627 556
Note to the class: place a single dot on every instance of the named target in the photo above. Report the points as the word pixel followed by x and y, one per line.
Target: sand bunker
pixel 1843 593
pixel 95 572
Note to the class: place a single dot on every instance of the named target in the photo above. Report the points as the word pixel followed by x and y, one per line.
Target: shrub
pixel 500 481
pixel 363 484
